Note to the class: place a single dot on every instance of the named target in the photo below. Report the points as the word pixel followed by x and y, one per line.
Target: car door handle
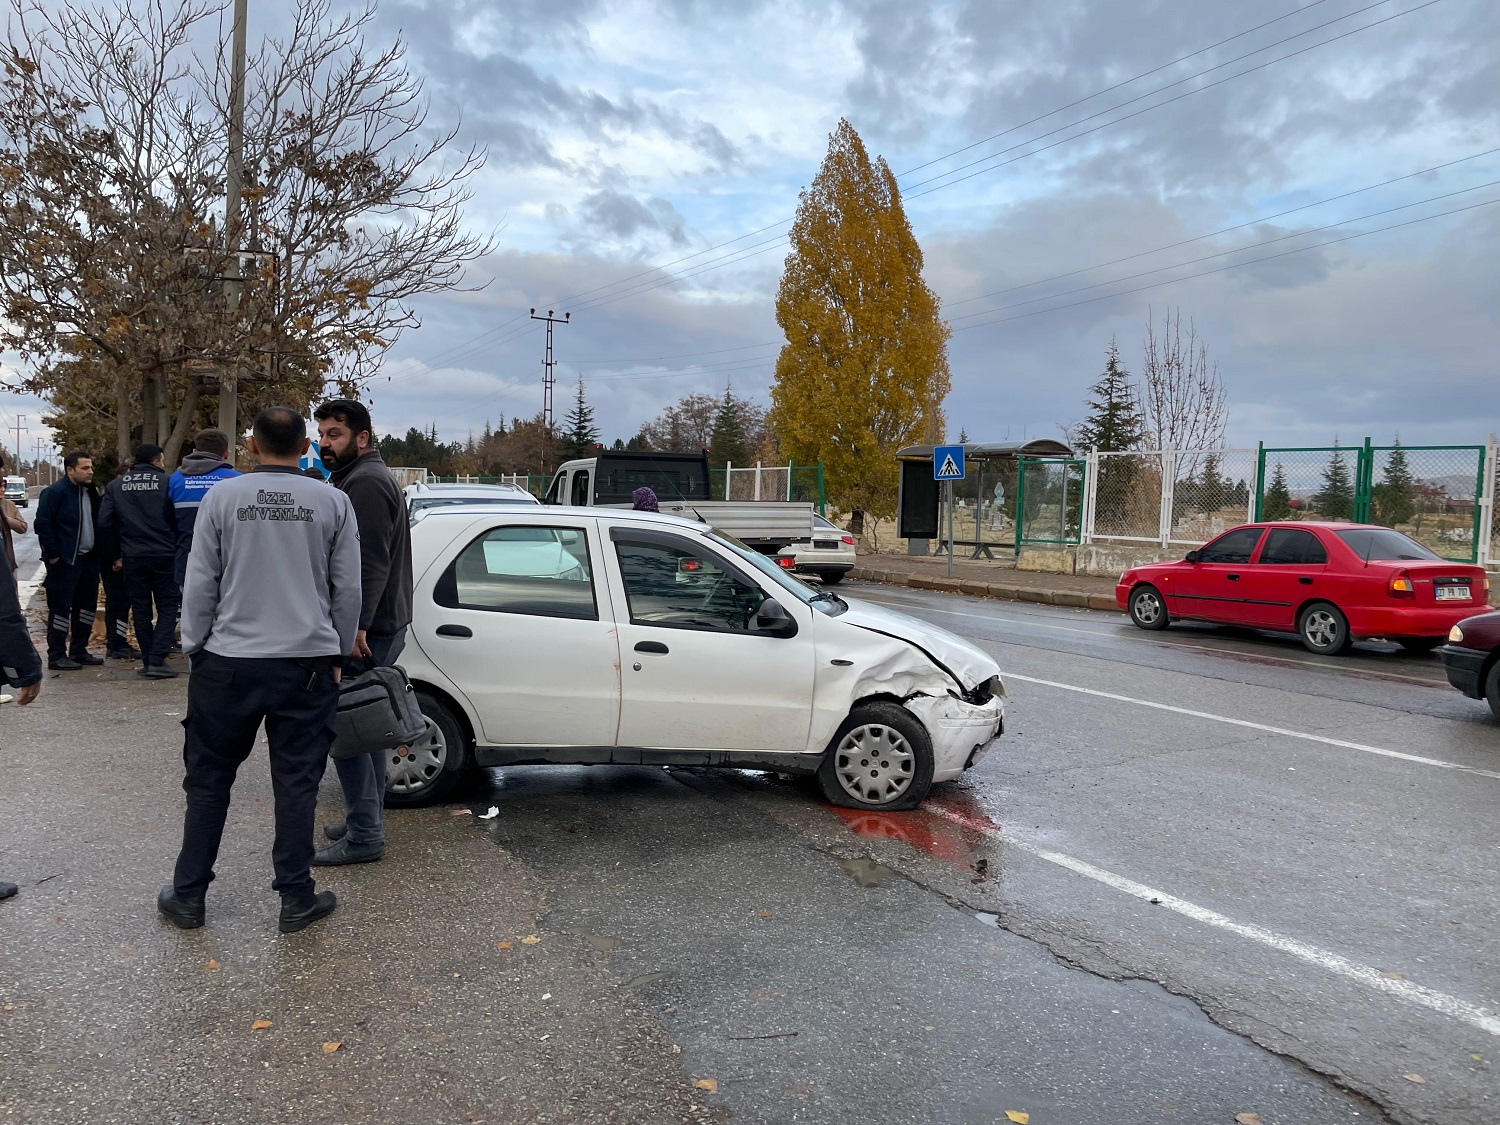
pixel 1304 580
pixel 1232 577
pixel 651 646
pixel 454 631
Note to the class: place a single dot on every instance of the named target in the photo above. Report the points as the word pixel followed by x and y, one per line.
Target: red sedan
pixel 1331 583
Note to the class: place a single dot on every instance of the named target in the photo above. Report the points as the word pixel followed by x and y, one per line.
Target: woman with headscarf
pixel 644 500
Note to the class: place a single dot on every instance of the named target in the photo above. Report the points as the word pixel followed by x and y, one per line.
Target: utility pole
pixel 19 419
pixel 549 382
pixel 229 378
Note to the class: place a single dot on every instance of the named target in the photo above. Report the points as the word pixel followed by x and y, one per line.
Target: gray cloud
pixel 624 215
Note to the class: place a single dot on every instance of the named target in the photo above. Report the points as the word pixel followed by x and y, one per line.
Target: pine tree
pixel 1394 497
pixel 1335 500
pixel 1277 502
pixel 729 441
pixel 963 436
pixel 1115 423
pixel 580 435
pixel 864 370
pixel 1212 487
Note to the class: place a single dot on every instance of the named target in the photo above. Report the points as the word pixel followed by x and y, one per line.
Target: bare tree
pixel 113 249
pixel 1182 396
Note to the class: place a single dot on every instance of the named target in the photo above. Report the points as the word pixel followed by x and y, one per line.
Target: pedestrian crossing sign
pixel 948 462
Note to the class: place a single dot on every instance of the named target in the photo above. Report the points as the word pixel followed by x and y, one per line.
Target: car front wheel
pixel 881 758
pixel 1323 629
pixel 1417 646
pixel 428 770
pixel 1148 609
pixel 1492 688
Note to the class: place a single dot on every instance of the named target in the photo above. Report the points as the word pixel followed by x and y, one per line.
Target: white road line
pixel 1362 974
pixel 1283 731
pixel 1211 650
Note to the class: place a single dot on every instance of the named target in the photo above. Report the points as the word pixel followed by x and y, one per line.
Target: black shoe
pixel 342 852
pixel 336 831
pixel 127 652
pixel 184 913
pixel 298 914
pixel 63 664
pixel 158 672
pixel 8 890
pixel 176 649
pixel 88 659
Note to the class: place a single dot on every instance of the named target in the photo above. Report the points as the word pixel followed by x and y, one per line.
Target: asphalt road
pixel 720 945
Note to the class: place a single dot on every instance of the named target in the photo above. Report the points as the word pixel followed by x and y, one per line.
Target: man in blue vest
pixel 138 515
pixel 200 470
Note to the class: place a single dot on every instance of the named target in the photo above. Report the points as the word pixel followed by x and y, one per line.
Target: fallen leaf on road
pixel 462 812
pixel 1247 1118
pixel 260 1025
pixel 762 913
pixel 709 1084
pixel 531 939
pixel 332 1045
pixel 12 1008
pixel 210 965
pixel 1019 1116
pixel 546 996
pixel 1476 1058
pixel 492 814
pixel 1388 975
pixel 1417 1078
pixel 505 945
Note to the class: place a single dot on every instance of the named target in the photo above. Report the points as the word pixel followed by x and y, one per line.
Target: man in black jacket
pixel 137 511
pixel 347 441
pixel 67 514
pixel 19 664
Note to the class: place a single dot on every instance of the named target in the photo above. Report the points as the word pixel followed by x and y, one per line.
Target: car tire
pixel 1419 646
pixel 830 577
pixel 1492 688
pixel 880 759
pixel 1324 629
pixel 1148 609
pixel 433 765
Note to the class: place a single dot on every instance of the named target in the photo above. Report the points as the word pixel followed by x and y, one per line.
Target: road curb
pixel 1005 591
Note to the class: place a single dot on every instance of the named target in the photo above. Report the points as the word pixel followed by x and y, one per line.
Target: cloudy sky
pixel 1057 157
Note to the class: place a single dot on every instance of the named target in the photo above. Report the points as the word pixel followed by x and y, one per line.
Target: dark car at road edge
pixel 1472 658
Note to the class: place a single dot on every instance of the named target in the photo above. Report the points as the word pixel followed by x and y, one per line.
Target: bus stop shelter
pixel 985 501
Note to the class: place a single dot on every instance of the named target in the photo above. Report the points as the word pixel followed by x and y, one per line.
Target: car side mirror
pixel 773 620
pixel 1195 556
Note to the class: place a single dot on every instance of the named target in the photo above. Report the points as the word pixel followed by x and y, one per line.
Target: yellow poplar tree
pixel 864 370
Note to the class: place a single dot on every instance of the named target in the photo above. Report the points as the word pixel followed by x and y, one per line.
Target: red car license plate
pixel 1452 593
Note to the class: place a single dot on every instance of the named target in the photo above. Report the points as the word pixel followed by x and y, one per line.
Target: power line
pixel 1118 85
pixel 1231 266
pixel 1158 105
pixel 1236 250
pixel 1223 230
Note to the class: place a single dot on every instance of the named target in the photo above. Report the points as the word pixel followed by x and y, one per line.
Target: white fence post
pixel 1487 504
pixel 757 480
pixel 1090 493
pixel 789 480
pixel 1168 495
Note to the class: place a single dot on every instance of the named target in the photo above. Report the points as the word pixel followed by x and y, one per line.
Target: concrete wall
pixel 1051 560
pixel 1110 560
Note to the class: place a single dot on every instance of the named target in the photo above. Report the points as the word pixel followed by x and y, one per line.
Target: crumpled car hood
pixel 969 664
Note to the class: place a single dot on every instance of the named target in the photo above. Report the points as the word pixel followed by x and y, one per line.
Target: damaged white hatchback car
pixel 586 635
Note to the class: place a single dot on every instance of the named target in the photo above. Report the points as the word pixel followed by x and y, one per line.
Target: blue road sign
pixel 948 462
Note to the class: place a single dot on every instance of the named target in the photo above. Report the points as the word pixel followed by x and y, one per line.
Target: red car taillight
pixel 1401 586
pixel 786 562
pixel 849 540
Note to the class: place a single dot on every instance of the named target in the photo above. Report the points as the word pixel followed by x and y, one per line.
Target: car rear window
pixel 1383 544
pixel 1291 546
pixel 534 571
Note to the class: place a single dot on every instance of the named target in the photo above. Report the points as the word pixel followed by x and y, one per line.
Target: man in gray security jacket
pixel 271 606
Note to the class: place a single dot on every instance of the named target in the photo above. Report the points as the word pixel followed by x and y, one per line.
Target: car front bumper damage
pixel 961 732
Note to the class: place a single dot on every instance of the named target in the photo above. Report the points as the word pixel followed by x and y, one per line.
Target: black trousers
pixel 228 699
pixel 116 608
pixel 148 579
pixel 72 597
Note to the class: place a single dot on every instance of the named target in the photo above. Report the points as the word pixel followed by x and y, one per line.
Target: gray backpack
pixel 377 711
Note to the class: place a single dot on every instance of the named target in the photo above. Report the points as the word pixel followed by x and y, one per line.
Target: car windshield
pixel 1382 544
pixel 445 501
pixel 830 603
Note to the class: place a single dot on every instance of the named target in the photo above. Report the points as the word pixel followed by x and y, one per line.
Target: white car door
pixel 695 673
pixel 520 621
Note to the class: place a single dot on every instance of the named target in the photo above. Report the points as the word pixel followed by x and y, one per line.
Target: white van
pixel 15 491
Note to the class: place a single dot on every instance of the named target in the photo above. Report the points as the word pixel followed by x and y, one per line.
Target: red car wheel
pixel 1324 629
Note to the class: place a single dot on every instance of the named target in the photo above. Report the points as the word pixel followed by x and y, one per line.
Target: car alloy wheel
pixel 414 768
pixel 875 764
pixel 1324 629
pixel 1147 609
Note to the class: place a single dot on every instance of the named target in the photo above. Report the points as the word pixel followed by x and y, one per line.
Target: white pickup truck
pixel 681 482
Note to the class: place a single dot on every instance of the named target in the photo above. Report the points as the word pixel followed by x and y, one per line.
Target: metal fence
pixel 1442 496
